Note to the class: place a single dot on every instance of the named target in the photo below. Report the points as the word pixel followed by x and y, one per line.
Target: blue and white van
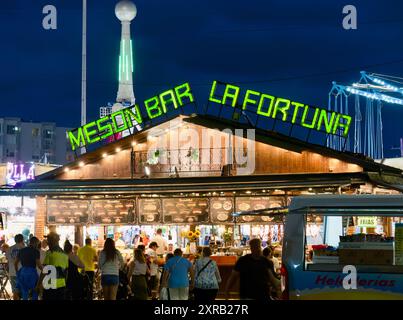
pixel 326 233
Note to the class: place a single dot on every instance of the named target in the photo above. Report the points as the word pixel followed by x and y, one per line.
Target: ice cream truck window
pixel 353 240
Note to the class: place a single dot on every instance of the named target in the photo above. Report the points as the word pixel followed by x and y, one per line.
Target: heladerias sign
pixel 262 104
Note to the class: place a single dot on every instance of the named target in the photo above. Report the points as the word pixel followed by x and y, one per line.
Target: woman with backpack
pixel 110 262
pixel 138 271
pixel 207 277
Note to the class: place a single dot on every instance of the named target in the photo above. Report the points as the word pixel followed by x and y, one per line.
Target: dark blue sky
pixel 287 48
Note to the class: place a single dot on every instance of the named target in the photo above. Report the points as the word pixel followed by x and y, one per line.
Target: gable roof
pixel 293 144
pixel 264 136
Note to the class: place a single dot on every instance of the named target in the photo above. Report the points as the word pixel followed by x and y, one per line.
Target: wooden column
pixel 40 217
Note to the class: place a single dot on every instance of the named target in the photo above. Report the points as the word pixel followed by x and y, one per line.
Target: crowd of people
pixel 139 278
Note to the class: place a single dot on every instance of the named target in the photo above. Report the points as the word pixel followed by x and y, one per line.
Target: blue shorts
pixel 109 280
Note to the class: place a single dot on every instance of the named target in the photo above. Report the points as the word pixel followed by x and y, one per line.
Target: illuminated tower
pixel 125 11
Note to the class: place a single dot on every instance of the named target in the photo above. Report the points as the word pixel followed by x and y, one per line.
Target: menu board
pixel 115 211
pixel 399 244
pixel 185 210
pixel 257 203
pixel 150 210
pixel 67 211
pixel 221 210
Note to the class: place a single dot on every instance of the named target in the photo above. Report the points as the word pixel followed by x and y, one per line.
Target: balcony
pixel 183 162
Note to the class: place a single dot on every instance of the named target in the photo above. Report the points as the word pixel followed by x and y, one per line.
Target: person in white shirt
pixel 11 255
pixel 161 242
pixel 110 262
pixel 154 278
pixel 137 275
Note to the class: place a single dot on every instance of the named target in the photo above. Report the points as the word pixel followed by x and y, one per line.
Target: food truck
pixel 325 234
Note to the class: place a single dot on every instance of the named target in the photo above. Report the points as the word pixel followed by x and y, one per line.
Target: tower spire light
pixel 125 11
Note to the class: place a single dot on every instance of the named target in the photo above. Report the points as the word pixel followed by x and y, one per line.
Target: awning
pixel 178 185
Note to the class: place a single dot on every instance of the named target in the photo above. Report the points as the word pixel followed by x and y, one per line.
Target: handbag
pixel 192 293
pixel 204 267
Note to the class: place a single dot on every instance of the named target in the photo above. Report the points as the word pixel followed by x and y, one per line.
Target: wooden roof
pixel 267 137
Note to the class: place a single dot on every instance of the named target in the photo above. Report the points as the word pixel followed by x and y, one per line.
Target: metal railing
pixel 183 160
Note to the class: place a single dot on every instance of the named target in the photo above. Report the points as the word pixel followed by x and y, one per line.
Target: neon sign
pixel 261 104
pixel 19 172
pixel 282 109
pixel 130 117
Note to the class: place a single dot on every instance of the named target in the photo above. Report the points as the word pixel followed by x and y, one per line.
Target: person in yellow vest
pixel 88 255
pixel 55 257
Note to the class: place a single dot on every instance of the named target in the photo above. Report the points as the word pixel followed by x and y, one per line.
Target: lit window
pixel 11 129
pixel 47 134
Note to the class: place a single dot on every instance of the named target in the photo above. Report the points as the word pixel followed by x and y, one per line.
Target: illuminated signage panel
pixel 261 104
pixel 19 172
pixel 282 109
pixel 130 117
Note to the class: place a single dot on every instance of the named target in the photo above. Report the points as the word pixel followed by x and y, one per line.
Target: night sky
pixel 293 49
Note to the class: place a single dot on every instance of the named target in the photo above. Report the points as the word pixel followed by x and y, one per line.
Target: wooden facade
pixel 212 155
pixel 280 164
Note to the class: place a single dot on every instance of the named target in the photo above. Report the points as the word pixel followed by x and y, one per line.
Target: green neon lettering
pixel 297 105
pixel 76 141
pixel 336 124
pixel 211 98
pixel 120 68
pixel 151 105
pixel 88 133
pixel 282 109
pixel 261 102
pixel 233 95
pixel 304 116
pixel 247 100
pixel 185 93
pixel 345 126
pixel 107 128
pixel 324 119
pixel 130 115
pixel 131 55
pixel 115 124
pixel 171 100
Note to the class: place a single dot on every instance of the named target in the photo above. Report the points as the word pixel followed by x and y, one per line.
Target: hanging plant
pixel 195 154
pixel 154 157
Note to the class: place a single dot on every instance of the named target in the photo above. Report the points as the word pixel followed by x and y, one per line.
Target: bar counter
pixel 226 265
